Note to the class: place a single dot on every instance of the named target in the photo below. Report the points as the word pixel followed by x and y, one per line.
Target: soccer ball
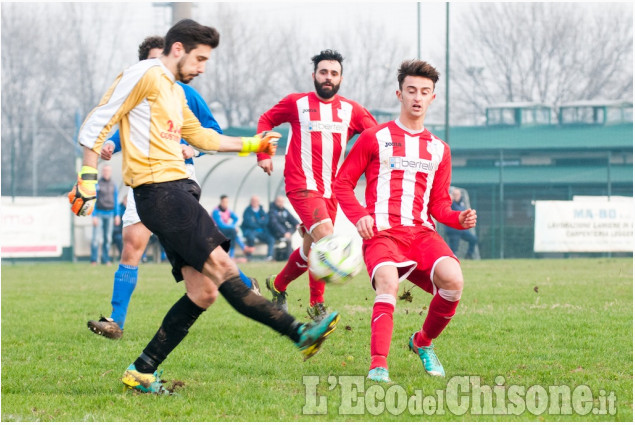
pixel 335 258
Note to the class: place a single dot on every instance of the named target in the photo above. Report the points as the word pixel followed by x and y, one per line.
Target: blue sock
pixel 123 287
pixel 244 278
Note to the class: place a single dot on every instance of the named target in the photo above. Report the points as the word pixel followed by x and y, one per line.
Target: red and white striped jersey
pixel 408 178
pixel 317 138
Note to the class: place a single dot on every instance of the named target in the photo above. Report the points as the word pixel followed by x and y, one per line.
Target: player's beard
pixel 325 93
pixel 185 79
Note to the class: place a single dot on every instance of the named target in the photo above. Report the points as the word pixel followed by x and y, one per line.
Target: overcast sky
pixel 321 18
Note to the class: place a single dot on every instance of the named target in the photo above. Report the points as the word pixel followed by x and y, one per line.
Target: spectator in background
pixel 254 227
pixel 282 224
pixel 227 222
pixel 455 235
pixel 117 233
pixel 105 216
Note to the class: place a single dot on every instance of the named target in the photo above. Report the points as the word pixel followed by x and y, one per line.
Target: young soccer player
pixel 408 173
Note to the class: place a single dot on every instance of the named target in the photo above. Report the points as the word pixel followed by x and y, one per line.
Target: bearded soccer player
pixel 322 122
pixel 153 115
pixel 408 173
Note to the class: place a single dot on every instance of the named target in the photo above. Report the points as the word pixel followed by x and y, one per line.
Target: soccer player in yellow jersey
pixel 153 115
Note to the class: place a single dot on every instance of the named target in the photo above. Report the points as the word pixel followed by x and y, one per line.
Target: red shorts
pixel 415 251
pixel 312 208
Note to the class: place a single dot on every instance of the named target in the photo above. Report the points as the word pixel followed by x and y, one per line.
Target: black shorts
pixel 187 232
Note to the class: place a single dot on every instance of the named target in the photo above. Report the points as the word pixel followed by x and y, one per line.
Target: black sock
pixel 175 326
pixel 257 307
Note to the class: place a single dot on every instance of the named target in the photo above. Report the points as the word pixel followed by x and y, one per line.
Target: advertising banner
pixel 584 226
pixel 34 227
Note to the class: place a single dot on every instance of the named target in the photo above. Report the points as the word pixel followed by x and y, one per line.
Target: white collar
pixel 406 129
pixel 166 70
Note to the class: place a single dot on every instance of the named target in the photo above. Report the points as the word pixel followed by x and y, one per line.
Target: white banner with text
pixel 34 226
pixel 584 226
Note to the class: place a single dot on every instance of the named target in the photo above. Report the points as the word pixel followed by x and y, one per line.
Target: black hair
pixel 328 55
pixel 152 42
pixel 416 68
pixel 191 34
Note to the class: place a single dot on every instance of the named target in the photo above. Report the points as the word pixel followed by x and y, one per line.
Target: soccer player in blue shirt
pixel 135 234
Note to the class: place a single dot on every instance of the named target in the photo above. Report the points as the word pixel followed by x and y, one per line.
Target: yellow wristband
pixel 88 173
pixel 250 144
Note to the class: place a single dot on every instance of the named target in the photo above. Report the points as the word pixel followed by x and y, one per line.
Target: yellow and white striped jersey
pixel 153 115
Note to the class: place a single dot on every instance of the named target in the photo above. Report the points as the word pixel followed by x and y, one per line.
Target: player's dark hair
pixel 417 68
pixel 191 34
pixel 328 55
pixel 152 42
pixel 223 197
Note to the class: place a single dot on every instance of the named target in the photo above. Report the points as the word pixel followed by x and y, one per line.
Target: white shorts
pixel 130 216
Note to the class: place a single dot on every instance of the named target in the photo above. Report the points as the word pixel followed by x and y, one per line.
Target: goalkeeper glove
pixel 265 142
pixel 83 195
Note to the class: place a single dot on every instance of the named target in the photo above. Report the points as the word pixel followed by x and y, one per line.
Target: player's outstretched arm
pixel 265 142
pixel 209 141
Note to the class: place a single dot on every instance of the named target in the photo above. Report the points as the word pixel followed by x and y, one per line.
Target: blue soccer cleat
pixel 378 374
pixel 313 334
pixel 144 382
pixel 430 361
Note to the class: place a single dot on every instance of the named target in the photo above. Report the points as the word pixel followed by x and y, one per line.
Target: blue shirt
pixel 198 107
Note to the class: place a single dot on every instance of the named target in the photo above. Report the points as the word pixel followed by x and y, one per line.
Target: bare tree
pixel 541 52
pixel 242 68
pixel 370 68
pixel 29 95
pixel 50 80
pixel 255 66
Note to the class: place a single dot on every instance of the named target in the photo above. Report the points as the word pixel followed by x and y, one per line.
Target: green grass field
pixel 520 322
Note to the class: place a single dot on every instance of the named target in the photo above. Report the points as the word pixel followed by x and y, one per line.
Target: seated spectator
pixel 455 235
pixel 254 227
pixel 227 222
pixel 282 224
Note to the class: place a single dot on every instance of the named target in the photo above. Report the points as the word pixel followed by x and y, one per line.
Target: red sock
pixel 440 313
pixel 381 324
pixel 316 288
pixel 296 265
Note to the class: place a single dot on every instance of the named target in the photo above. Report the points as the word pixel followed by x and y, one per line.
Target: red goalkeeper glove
pixel 265 142
pixel 83 195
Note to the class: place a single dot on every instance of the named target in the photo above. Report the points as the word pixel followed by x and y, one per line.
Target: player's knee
pixel 386 281
pixel 132 251
pixel 322 230
pixel 448 275
pixel 219 266
pixel 452 282
pixel 206 296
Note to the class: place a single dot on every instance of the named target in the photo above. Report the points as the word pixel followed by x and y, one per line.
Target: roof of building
pixel 542 175
pixel 542 138
pixel 510 105
pixel 595 103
